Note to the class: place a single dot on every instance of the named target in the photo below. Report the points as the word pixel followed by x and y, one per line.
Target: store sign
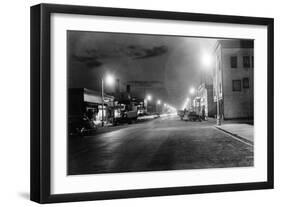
pixel 92 98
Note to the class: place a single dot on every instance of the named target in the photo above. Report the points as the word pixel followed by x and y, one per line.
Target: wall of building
pixel 237 104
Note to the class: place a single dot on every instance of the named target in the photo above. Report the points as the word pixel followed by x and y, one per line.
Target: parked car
pixel 80 125
pixel 181 114
pixel 189 115
pixel 193 116
pixel 127 117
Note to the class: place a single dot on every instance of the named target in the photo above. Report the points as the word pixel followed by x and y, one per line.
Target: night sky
pixel 175 61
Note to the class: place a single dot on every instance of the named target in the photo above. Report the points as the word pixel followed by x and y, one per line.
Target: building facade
pixel 82 101
pixel 233 78
pixel 205 101
pixel 140 89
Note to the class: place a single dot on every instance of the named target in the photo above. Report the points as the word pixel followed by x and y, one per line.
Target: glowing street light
pixel 207 59
pixel 159 102
pixel 149 97
pixel 108 79
pixel 192 90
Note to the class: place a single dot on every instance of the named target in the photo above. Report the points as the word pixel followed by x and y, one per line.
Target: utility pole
pixel 102 97
pixel 218 94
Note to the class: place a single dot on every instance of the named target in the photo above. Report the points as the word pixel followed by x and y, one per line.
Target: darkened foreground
pixel 165 143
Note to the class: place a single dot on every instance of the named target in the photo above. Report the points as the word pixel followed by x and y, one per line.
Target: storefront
pixel 82 101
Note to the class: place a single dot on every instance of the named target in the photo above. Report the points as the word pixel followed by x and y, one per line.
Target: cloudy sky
pixel 175 61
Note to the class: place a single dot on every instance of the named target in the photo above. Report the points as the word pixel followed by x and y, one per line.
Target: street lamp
pixel 218 99
pixel 149 97
pixel 192 90
pixel 159 106
pixel 208 62
pixel 207 59
pixel 109 80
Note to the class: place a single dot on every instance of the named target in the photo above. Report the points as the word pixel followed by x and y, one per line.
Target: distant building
pixel 140 89
pixel 130 100
pixel 233 78
pixel 205 101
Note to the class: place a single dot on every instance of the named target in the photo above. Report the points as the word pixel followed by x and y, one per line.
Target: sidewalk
pixel 240 130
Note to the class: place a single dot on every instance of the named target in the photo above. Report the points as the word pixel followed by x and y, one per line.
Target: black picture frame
pixel 40 102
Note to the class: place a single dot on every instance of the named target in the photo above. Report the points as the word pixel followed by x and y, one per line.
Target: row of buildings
pixel 125 100
pixel 229 91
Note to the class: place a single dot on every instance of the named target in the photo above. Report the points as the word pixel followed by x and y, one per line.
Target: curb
pixel 236 135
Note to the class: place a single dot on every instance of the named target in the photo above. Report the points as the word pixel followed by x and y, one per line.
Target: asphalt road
pixel 166 143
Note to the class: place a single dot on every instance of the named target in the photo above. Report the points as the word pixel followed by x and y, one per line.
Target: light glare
pixel 109 79
pixel 207 59
pixel 192 90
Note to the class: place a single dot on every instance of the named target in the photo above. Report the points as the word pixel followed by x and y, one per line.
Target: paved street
pixel 166 143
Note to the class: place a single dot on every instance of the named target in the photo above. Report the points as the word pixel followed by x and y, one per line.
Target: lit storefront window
pixel 99 116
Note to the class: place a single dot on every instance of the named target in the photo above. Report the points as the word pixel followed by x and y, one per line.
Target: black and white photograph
pixel 148 102
pixel 131 103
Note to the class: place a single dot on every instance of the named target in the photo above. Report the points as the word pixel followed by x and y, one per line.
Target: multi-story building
pixel 233 78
